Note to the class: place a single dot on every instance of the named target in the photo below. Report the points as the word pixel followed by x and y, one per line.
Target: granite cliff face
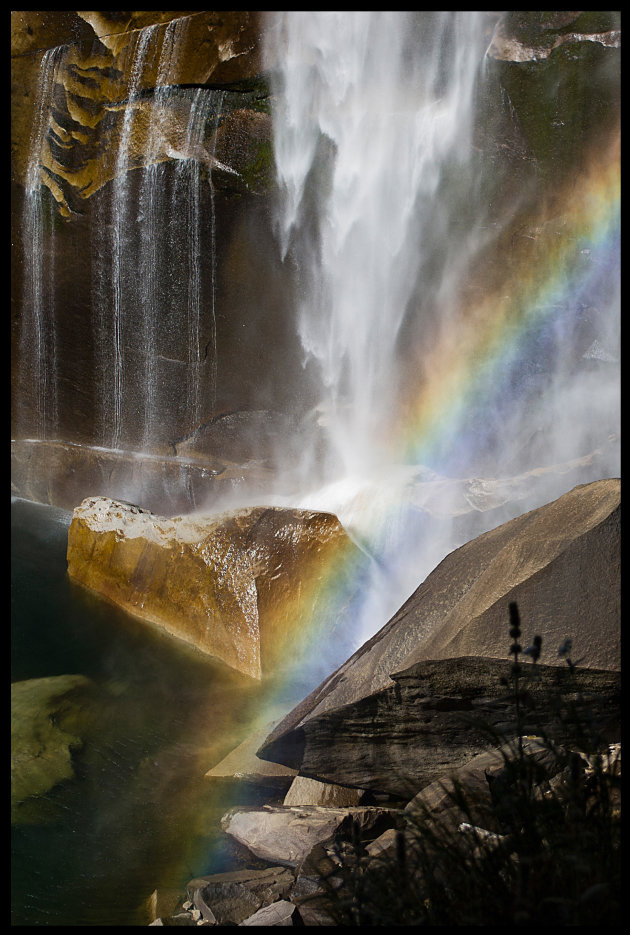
pixel 249 587
pixel 548 64
pixel 94 76
pixel 162 116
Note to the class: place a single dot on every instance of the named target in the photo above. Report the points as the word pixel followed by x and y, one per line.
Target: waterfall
pixel 149 275
pixel 38 328
pixel 206 108
pixel 210 348
pixel 424 371
pixel 120 207
pixel 370 112
pixel 159 241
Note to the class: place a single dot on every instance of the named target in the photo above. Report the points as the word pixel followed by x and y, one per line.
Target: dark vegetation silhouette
pixel 541 845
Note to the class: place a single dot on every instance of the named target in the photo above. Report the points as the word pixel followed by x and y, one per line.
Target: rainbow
pixel 471 367
pixel 471 362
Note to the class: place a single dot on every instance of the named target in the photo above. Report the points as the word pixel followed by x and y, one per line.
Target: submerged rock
pixel 251 587
pixel 48 717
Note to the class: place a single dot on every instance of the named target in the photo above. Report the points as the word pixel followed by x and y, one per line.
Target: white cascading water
pixel 205 106
pixel 143 50
pixel 374 111
pixel 148 281
pixel 368 113
pixel 38 337
pixel 392 115
pixel 153 276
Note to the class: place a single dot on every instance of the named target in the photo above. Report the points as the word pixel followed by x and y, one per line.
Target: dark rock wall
pixel 246 338
pixel 560 72
pixel 436 716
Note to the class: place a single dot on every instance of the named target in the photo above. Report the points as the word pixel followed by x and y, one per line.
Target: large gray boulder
pixel 286 834
pixel 394 715
pixel 561 563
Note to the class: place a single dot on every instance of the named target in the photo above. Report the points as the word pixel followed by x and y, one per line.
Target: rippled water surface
pixel 138 813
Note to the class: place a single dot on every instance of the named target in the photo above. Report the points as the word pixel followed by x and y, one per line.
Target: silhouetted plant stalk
pixel 542 848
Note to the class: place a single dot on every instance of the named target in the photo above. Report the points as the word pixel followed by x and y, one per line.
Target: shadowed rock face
pixel 560 563
pixel 235 895
pixel 248 587
pixel 435 717
pixel 548 64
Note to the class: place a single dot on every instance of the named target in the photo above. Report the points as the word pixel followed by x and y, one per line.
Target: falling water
pixel 372 124
pixel 373 150
pixel 210 349
pixel 376 119
pixel 206 108
pixel 149 201
pixel 372 107
pixel 154 207
pixel 39 345
pixel 120 199
pixel 152 255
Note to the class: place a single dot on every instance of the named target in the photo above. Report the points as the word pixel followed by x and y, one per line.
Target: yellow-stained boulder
pixel 252 587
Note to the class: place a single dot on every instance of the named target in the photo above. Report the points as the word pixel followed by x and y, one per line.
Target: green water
pixel 138 813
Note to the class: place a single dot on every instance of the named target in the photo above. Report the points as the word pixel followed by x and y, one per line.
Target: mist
pixel 446 404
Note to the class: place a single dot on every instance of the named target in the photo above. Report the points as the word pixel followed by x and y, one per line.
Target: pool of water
pixel 138 813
